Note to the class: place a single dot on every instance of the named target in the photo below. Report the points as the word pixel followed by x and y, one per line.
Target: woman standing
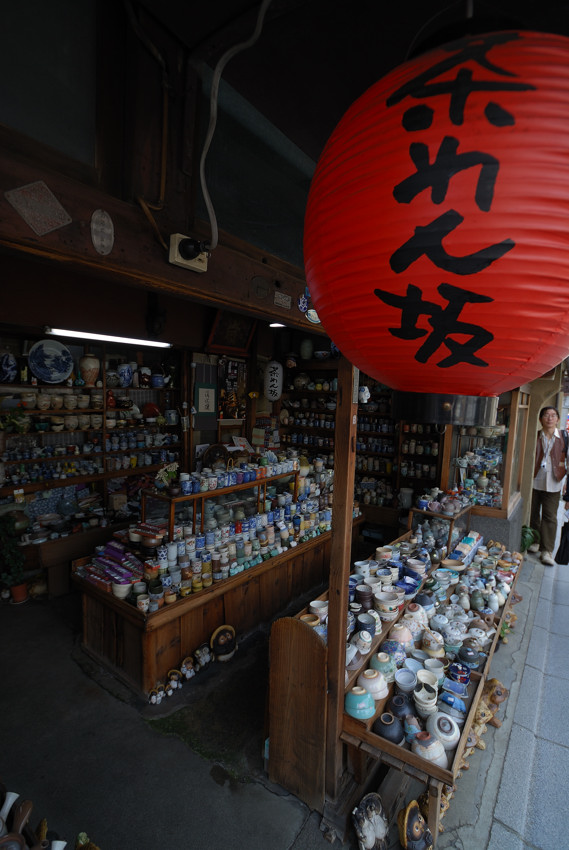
pixel 549 474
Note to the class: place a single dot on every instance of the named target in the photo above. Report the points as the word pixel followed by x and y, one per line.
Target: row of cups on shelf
pixel 58 401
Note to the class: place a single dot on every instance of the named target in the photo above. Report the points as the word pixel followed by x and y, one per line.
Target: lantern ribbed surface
pixel 436 238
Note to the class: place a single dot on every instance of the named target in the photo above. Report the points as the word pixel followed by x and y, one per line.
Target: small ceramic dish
pixel 413 665
pixel 456 688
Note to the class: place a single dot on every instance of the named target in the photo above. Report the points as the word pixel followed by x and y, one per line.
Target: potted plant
pixel 12 560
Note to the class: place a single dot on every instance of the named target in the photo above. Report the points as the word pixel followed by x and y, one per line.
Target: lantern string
pixel 420 31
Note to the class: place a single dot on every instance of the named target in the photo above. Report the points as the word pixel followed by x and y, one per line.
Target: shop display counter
pixel 141 648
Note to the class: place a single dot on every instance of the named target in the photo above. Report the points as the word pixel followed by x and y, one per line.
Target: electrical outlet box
pixel 175 256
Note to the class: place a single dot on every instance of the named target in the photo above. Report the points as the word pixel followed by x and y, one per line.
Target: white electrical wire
pixel 219 68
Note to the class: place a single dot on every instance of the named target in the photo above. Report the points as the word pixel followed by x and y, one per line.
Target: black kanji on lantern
pixel 444 322
pixel 447 163
pixel 428 240
pixel 464 84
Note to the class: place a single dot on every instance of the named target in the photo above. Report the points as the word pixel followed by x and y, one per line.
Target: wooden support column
pixel 344 466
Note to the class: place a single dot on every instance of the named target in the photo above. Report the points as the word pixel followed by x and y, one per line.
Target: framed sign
pixel 231 333
pixel 205 400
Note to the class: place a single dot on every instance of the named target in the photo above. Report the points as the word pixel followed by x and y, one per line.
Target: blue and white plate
pixel 50 361
pixel 8 367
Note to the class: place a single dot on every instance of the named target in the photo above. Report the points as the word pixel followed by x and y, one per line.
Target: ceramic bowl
pixel 386 600
pixel 374 682
pixel 428 677
pixel 405 680
pixel 120 590
pixel 413 665
pixel 359 703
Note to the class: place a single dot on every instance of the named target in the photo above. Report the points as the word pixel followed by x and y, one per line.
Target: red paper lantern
pixel 437 229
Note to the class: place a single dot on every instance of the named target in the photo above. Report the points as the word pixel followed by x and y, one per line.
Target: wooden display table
pixel 298 724
pixel 141 648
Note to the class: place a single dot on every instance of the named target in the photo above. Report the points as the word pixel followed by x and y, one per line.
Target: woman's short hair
pixel 544 410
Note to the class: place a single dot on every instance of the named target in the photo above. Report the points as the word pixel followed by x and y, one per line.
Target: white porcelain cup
pixel 320 608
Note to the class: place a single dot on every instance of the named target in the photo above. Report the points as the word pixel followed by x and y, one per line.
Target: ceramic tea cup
pixel 320 608
pixel 143 602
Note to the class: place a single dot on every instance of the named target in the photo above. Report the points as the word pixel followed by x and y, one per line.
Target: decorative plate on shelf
pixel 8 367
pixel 50 361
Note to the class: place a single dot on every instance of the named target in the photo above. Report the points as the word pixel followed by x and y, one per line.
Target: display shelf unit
pixel 100 453
pixel 416 514
pixel 199 499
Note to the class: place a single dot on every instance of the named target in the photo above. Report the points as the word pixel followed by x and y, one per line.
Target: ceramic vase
pixel 390 727
pixel 430 748
pixel 89 366
pixel 125 374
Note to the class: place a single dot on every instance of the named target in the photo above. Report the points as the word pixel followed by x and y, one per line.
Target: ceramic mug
pixel 143 602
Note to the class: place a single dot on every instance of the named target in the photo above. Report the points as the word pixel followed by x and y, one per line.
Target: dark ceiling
pixel 313 58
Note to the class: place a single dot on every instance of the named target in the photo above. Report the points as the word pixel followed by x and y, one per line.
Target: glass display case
pixel 484 462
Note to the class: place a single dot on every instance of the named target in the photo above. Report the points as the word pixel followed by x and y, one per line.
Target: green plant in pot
pixel 12 560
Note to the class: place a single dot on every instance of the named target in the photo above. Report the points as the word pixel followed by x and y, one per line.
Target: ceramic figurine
pixel 187 667
pixel 223 643
pixel 423 801
pixel 414 834
pixel 370 823
pixel 202 657
pixel 481 718
pixel 494 694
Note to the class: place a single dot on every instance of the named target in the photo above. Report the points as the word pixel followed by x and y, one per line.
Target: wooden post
pixel 344 465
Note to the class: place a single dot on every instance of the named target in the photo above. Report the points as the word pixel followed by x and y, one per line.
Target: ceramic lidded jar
pixel 390 727
pixel 430 748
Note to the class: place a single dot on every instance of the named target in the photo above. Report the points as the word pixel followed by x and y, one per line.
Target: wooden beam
pixel 239 276
pixel 344 466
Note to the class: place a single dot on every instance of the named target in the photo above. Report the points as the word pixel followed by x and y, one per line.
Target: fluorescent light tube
pixel 107 338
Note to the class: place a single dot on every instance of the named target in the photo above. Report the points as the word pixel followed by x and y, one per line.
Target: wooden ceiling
pixel 313 58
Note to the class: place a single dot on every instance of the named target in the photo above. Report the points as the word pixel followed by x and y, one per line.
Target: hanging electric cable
pixel 219 68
